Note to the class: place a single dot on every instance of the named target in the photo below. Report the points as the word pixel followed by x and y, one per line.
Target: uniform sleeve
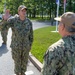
pixel 2 23
pixel 31 34
pixel 50 65
pixel 6 24
pixel 10 22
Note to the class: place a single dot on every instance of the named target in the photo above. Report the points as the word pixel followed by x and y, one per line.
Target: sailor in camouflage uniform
pixel 22 38
pixel 60 57
pixel 4 30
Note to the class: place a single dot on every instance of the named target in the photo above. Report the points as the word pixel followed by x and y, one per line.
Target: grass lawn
pixel 43 38
pixel 40 18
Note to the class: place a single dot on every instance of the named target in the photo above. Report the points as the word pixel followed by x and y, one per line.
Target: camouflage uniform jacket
pixel 4 27
pixel 60 57
pixel 22 32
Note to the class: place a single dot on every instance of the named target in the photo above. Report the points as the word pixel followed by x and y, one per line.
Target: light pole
pixel 5 6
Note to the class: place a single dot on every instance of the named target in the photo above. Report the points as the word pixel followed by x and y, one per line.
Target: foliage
pixel 43 38
pixel 38 7
pixel 13 5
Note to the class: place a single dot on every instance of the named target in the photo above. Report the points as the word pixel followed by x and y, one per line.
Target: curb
pixel 36 63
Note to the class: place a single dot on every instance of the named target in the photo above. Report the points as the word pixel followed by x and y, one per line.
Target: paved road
pixel 6 61
pixel 37 24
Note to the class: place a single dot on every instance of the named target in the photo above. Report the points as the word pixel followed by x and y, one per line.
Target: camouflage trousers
pixel 20 57
pixel 4 35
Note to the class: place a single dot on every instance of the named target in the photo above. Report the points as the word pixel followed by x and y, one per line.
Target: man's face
pixel 22 13
pixel 61 27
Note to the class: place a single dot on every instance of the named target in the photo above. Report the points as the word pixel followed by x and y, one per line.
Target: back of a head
pixel 68 20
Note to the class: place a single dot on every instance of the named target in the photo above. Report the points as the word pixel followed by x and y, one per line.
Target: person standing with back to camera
pixel 4 30
pixel 22 38
pixel 60 57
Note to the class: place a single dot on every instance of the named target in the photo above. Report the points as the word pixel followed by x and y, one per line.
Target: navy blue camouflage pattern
pixel 60 57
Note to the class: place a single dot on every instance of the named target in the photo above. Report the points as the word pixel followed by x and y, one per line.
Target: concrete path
pixel 37 24
pixel 6 61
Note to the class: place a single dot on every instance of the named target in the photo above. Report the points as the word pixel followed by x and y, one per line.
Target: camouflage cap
pixel 68 19
pixel 21 7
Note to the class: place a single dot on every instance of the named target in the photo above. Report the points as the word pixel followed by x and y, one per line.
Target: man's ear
pixel 62 26
pixel 18 11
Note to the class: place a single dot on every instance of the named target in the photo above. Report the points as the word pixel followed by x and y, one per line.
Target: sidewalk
pixel 7 63
pixel 36 63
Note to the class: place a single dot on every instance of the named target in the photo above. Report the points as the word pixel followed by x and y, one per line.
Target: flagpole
pixel 64 6
pixel 57 12
pixel 57 16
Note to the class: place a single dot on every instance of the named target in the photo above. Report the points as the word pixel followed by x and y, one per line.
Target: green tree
pixel 13 5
